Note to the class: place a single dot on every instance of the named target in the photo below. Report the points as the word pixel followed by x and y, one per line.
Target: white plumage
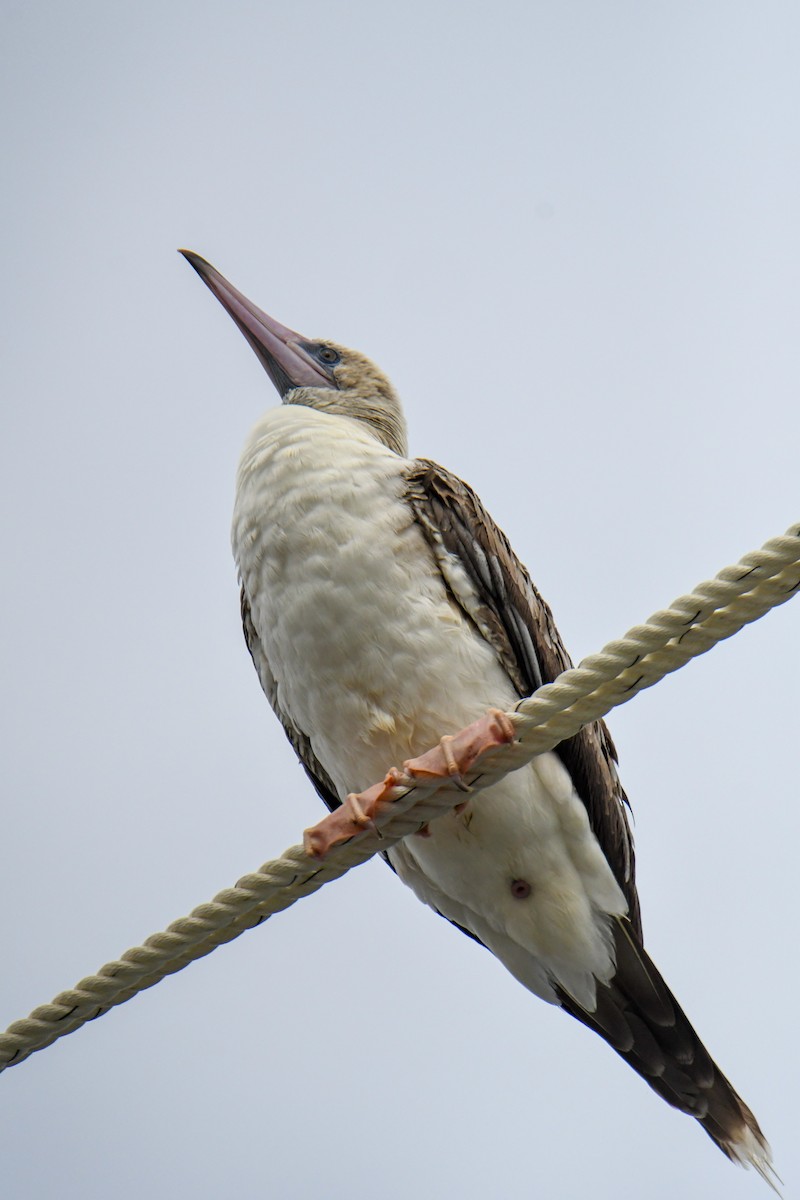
pixel 374 661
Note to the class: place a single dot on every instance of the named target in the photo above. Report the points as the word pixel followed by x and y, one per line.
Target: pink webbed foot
pixel 353 816
pixel 449 761
pixel 454 756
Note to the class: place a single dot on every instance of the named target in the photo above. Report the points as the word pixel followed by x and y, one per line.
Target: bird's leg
pixel 449 761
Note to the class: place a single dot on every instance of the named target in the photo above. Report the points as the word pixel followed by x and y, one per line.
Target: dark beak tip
pixel 194 260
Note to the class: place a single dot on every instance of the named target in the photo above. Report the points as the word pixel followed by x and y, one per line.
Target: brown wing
pixel 512 616
pixel 302 744
pixel 635 1012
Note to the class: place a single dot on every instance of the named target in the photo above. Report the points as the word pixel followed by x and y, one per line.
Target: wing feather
pixel 506 608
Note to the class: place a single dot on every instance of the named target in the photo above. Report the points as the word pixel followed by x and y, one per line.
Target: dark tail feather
pixel 640 1018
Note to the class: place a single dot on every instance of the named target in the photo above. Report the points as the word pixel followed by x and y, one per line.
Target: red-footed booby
pixel 383 607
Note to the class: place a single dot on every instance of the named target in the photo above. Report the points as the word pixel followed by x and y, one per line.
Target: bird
pixel 381 604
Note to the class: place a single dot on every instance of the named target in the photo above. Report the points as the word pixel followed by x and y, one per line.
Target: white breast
pixel 374 661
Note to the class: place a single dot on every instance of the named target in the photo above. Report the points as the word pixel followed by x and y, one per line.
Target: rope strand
pixel 715 610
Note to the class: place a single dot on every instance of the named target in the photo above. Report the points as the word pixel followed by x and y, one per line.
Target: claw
pixel 453 770
pixel 358 816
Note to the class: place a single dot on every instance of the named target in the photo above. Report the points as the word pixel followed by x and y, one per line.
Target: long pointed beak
pixel 280 350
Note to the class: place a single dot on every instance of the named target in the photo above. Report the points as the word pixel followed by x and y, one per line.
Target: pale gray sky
pixel 570 233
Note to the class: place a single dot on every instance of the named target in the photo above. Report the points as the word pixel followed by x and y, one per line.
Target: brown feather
pixel 666 1051
pixel 516 621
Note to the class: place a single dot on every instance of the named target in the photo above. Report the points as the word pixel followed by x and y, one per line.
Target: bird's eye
pixel 328 355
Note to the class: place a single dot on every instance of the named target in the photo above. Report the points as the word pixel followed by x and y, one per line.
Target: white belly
pixel 374 662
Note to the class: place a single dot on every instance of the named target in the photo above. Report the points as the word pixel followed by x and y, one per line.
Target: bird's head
pixel 317 374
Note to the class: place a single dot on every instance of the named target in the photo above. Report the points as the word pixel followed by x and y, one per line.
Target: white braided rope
pixel 715 610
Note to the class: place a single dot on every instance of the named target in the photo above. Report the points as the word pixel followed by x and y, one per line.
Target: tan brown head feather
pixel 362 392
